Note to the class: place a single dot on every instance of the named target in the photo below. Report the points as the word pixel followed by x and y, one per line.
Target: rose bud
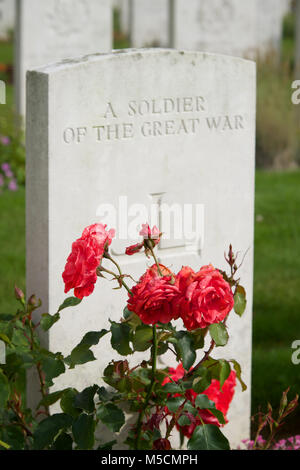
pixel 19 293
pixel 161 444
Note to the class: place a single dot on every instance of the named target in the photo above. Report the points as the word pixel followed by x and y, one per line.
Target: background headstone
pixel 149 23
pixel 7 17
pixel 223 26
pixel 270 14
pixel 229 26
pixel 138 124
pixel 52 30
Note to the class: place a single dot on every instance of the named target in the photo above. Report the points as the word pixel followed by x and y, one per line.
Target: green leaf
pixel 204 403
pixel 51 398
pixel 126 313
pixel 224 371
pixel 63 442
pixel 85 399
pixel 198 338
pixel 112 416
pixel 238 371
pixel 142 338
pixel 49 428
pixel 240 301
pixel 120 336
pixel 52 366
pixel 4 338
pixel 172 388
pixel 174 403
pixel 184 420
pixel 185 348
pixel 106 395
pixel 67 402
pixel 69 302
pixel 4 389
pixel 83 431
pixel 219 334
pixel 93 337
pixel 219 415
pixel 208 437
pixel 81 354
pixel 47 321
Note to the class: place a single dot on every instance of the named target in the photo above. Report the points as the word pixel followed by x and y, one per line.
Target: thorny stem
pixel 206 355
pixel 150 391
pixel 21 420
pixel 38 366
pixel 174 419
pixel 118 277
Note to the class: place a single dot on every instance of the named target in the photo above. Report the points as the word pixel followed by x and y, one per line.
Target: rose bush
pixel 191 399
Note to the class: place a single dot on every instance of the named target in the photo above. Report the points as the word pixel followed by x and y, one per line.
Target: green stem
pixel 120 276
pixel 156 260
pixel 150 391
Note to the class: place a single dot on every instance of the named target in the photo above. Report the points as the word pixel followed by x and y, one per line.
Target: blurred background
pixel 276 320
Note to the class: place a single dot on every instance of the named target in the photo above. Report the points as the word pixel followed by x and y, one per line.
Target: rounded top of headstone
pixel 138 54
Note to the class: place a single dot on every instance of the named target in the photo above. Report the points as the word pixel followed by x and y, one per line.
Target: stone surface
pixel 7 17
pixel 139 123
pixel 150 23
pixel 57 30
pixel 229 26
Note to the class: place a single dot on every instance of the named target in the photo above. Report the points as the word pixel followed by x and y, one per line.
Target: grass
pixel 276 307
pixel 12 247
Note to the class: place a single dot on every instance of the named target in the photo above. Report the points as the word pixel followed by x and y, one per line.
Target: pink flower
pixel 5 167
pixel 87 252
pixel 4 140
pixel 12 185
pixel 147 234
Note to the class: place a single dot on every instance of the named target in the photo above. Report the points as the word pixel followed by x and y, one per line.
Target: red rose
pixel 205 297
pixel 221 398
pixel 152 297
pixel 87 252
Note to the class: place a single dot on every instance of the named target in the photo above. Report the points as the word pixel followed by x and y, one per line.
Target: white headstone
pixel 7 17
pixel 52 30
pixel 270 16
pixel 223 26
pixel 136 124
pixel 229 27
pixel 150 23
